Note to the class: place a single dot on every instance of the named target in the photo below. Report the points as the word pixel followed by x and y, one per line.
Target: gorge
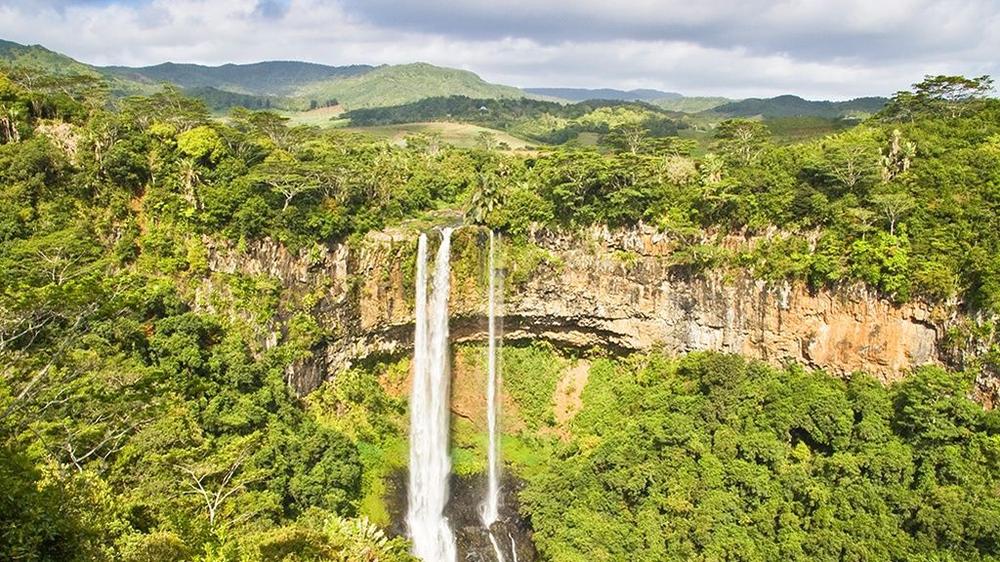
pixel 606 288
pixel 525 331
pixel 592 290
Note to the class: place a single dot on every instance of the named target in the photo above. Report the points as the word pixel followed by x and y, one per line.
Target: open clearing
pixel 463 135
pixel 319 117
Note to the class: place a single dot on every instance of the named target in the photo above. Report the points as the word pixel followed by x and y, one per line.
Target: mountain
pixel 36 57
pixel 287 84
pixel 405 83
pixel 293 84
pixel 584 94
pixel 694 104
pixel 221 101
pixel 794 106
pixel 273 78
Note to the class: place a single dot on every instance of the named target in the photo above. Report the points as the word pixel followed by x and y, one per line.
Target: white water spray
pixel 491 507
pixel 513 546
pixel 430 466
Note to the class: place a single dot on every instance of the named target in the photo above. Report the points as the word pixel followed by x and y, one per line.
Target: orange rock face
pixel 611 289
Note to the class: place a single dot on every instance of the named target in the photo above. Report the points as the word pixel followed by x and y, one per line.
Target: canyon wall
pixel 598 288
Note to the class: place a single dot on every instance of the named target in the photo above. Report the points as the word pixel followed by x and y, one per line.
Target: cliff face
pixel 599 288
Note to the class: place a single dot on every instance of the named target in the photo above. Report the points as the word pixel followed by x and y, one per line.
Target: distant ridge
pixel 300 85
pixel 693 104
pixel 272 78
pixel 37 57
pixel 273 84
pixel 585 94
pixel 405 83
pixel 794 106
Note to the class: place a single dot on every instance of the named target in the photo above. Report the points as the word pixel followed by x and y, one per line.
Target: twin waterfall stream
pixel 430 463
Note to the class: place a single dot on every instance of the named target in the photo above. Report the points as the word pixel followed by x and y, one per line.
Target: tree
pixel 169 105
pixel 13 110
pixel 897 157
pixel 266 124
pixel 201 143
pixel 894 205
pixel 215 482
pixel 951 95
pixel 486 140
pixel 941 96
pixel 711 169
pixel 743 140
pixel 851 159
pixel 291 178
pixel 628 137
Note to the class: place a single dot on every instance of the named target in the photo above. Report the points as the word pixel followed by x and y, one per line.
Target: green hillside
pixel 587 94
pixel 281 84
pixel 694 104
pixel 36 57
pixel 794 106
pixel 400 84
pixel 541 121
pixel 273 78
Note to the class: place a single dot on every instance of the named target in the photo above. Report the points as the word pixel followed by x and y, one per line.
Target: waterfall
pixel 430 466
pixel 491 507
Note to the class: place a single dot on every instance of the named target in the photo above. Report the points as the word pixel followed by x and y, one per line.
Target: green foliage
pixel 543 121
pixel 356 404
pixel 201 143
pixel 930 176
pixel 794 106
pixel 321 537
pixel 940 96
pixel 145 411
pixel 883 262
pixel 691 104
pixel 405 83
pixel 713 458
pixel 530 376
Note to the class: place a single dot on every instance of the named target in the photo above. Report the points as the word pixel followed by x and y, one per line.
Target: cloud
pixel 814 48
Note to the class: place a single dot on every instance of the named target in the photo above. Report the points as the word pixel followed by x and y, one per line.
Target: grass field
pixel 321 117
pixel 459 134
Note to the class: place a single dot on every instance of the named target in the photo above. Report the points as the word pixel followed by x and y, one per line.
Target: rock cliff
pixel 612 289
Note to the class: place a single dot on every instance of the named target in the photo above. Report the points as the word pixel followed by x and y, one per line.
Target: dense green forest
pixel 714 458
pixel 791 106
pixel 139 424
pixel 542 121
pixel 275 78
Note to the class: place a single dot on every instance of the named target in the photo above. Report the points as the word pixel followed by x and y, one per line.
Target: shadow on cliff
pixel 511 531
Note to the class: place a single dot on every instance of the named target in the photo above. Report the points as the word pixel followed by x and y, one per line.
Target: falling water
pixel 491 507
pixel 433 540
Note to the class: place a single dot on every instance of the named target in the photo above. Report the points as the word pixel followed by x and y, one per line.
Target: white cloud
pixel 814 48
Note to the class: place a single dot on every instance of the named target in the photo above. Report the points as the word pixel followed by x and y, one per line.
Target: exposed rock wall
pixel 599 288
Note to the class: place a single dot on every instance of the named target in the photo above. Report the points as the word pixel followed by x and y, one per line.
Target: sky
pixel 737 48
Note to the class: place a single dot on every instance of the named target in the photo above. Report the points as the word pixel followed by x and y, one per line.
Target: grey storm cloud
pixel 812 30
pixel 815 48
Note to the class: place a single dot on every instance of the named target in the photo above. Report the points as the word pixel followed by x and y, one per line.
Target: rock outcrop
pixel 612 289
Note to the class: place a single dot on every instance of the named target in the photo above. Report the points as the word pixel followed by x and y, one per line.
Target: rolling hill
pixel 36 57
pixel 273 78
pixel 405 83
pixel 585 94
pixel 278 84
pixel 694 104
pixel 794 106
pixel 300 85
